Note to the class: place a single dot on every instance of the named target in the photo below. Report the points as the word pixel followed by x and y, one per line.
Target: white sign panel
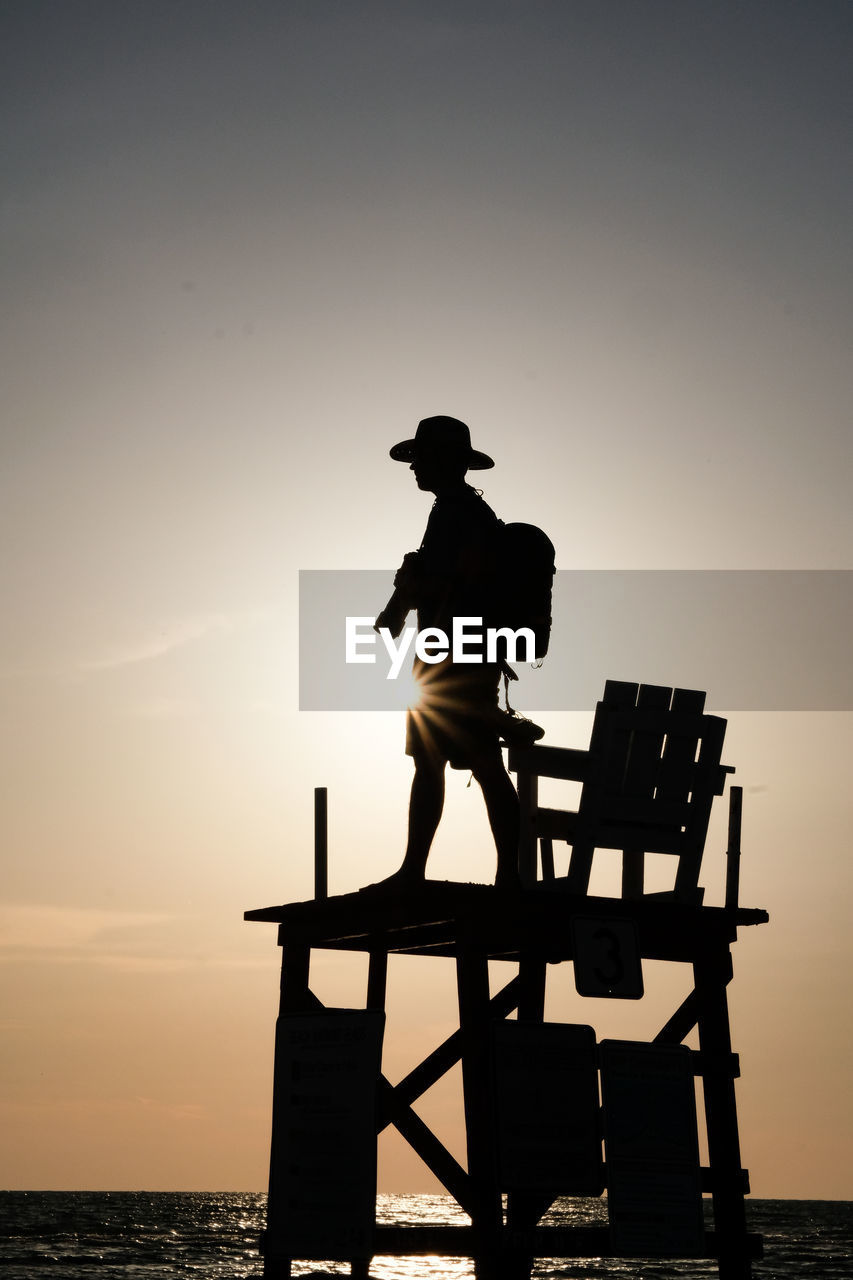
pixel 546 1098
pixel 323 1162
pixel 654 1193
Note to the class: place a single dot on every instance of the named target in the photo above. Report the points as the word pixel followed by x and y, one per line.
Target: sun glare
pixel 429 702
pixel 409 690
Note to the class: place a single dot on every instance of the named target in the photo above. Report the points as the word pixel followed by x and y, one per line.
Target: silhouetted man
pixel 452 575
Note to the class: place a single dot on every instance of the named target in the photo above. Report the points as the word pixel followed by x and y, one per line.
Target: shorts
pixel 455 719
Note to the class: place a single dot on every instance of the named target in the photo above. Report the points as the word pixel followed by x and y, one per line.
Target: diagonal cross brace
pixel 685 1017
pixel 395 1101
pixel 431 1150
pixel 433 1067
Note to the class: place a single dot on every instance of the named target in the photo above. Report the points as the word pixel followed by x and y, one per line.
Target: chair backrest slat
pixel 643 760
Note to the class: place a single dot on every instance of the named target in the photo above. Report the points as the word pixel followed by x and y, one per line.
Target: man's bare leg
pixel 426 805
pixel 502 807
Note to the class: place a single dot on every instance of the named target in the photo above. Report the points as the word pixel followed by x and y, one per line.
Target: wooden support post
pixel 472 973
pixel 580 865
pixel 295 995
pixel 733 849
pixel 277 1268
pixel 712 972
pixel 531 998
pixel 632 873
pixel 321 843
pixel 528 799
pixel 295 969
pixel 525 1208
pixel 377 978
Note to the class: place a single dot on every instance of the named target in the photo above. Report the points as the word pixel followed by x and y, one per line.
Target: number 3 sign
pixel 607 958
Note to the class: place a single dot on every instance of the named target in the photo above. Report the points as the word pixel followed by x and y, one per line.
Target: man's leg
pixel 502 807
pixel 425 808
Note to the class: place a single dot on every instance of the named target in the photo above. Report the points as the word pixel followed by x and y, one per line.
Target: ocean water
pixel 123 1235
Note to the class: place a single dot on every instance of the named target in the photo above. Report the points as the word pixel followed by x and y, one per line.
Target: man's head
pixel 440 452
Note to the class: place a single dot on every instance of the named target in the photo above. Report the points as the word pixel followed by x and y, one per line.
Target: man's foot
pixel 402 880
pixel 508 881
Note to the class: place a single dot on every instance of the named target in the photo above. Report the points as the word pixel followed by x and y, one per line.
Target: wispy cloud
pixel 135 941
pixel 17 1112
pixel 168 637
pixel 178 1111
pixel 51 928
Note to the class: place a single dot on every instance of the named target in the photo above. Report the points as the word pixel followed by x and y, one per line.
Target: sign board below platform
pixel 654 1193
pixel 546 1103
pixel 323 1161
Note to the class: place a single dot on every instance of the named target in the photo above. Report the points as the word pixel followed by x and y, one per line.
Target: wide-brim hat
pixel 443 437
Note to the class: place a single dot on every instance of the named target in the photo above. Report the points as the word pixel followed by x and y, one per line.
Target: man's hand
pixel 404 599
pixel 407 577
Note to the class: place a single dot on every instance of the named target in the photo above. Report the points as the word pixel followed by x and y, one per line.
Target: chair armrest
pixel 550 762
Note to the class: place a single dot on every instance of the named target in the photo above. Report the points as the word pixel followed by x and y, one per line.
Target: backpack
pixel 526 568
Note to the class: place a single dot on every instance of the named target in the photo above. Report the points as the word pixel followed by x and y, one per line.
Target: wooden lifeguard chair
pixel 533 1120
pixel 649 779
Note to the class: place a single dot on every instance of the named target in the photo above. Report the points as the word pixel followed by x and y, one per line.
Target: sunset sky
pixel 245 247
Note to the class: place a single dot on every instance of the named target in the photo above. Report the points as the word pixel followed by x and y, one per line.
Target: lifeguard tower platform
pixel 549 1110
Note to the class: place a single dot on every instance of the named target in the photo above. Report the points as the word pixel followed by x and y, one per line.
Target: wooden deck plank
pixel 430 921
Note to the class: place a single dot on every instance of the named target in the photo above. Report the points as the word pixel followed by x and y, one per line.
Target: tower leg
pixel 712 973
pixel 525 1208
pixel 295 965
pixel 472 975
pixel 377 979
